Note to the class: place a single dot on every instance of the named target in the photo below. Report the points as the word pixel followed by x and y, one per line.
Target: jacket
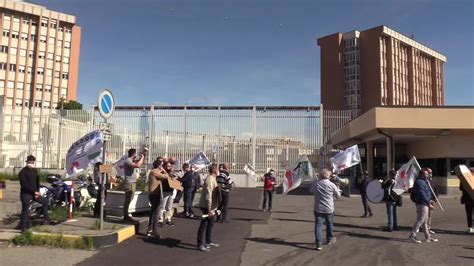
pixel 155 178
pixel 224 181
pixel 422 192
pixel 269 182
pixel 188 180
pixel 210 195
pixel 29 180
pixel 324 193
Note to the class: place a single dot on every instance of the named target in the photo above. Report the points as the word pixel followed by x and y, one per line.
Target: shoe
pixel 432 232
pixel 170 223
pixel 371 214
pixel 364 216
pixel 319 248
pixel 203 248
pixel 388 229
pixel 431 239
pixel 470 230
pixel 160 224
pixel 155 235
pixel 212 245
pixel 270 210
pixel 263 210
pixel 332 241
pixel 395 228
pixel 414 240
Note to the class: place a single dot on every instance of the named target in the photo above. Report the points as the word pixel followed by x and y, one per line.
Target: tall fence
pixel 266 137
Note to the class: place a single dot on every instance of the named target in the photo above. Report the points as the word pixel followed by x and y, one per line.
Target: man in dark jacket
pixel 225 184
pixel 390 201
pixel 29 182
pixel 269 182
pixel 188 182
pixel 423 201
pixel 363 194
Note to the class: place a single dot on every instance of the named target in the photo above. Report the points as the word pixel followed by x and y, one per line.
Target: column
pixel 369 153
pixel 389 143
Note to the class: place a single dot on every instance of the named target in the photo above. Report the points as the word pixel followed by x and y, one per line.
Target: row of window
pixel 44 23
pixel 43 38
pixel 39 70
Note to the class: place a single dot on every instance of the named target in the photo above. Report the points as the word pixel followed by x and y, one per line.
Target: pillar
pixel 389 145
pixel 369 153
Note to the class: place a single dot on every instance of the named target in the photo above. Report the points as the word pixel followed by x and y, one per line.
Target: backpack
pixel 412 195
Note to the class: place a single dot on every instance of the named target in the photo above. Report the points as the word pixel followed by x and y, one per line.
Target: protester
pixel 155 179
pixel 168 195
pixel 269 182
pixel 225 183
pixel 423 200
pixel 208 203
pixel 188 182
pixel 363 194
pixel 468 206
pixel 132 172
pixel 29 190
pixel 324 193
pixel 391 199
pixel 434 186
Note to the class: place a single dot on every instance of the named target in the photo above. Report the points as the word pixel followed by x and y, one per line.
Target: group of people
pixel 165 183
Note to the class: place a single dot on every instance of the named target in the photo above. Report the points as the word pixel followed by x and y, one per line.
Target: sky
pixel 247 52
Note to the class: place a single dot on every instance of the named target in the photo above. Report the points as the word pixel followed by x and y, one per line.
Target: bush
pixel 27 238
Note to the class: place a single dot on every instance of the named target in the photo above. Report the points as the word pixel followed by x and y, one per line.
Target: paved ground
pixel 22 256
pixel 286 237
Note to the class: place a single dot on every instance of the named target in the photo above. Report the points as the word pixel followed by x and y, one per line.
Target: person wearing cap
pixel 269 182
pixel 29 183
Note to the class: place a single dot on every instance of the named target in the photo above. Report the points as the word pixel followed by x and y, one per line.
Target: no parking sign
pixel 106 103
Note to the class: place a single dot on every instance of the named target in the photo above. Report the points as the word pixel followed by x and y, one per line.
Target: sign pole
pixel 102 186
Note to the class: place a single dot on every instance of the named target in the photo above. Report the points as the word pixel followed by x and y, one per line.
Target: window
pixel 56 74
pixel 21 69
pixel 43 39
pixel 67 44
pixel 3 66
pixel 6 33
pixel 51 40
pixel 39 87
pixel 20 85
pixel 23 52
pixel 12 67
pixel 49 72
pixel 44 23
pixel 65 75
pixel 30 70
pixel 58 59
pixel 24 36
pixel 40 71
pixel 34 23
pixel 13 51
pixel 37 104
pixel 33 37
pixel 47 88
pixel 7 17
pixel 67 30
pixel 66 60
pixel 15 35
pixel 50 56
pixel 26 21
pixel 41 55
pixel 31 54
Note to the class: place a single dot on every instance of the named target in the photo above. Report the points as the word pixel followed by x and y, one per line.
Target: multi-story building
pixel 379 67
pixel 39 60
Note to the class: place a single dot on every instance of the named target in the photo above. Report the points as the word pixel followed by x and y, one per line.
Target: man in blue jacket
pixel 423 201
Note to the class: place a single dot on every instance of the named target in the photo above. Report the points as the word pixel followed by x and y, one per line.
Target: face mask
pixel 32 165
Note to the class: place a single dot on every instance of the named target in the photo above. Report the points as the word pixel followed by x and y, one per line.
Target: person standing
pixel 155 179
pixel 434 186
pixel 363 194
pixel 423 201
pixel 468 206
pixel 29 190
pixel 169 193
pixel 225 183
pixel 131 169
pixel 208 202
pixel 188 182
pixel 324 192
pixel 269 182
pixel 390 201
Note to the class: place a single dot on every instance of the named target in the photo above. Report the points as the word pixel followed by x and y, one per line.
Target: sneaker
pixel 414 240
pixel 263 210
pixel 155 235
pixel 387 229
pixel 212 245
pixel 431 239
pixel 332 241
pixel 432 232
pixel 319 248
pixel 170 223
pixel 470 230
pixel 203 248
pixel 371 214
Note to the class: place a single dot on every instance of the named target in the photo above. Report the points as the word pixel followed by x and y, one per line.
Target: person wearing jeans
pixel 155 179
pixel 390 201
pixel 423 203
pixel 169 193
pixel 208 203
pixel 188 186
pixel 268 189
pixel 324 193
pixel 468 207
pixel 225 184
pixel 363 195
pixel 391 216
pixel 132 171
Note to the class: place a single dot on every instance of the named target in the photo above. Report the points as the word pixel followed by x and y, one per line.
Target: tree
pixel 69 105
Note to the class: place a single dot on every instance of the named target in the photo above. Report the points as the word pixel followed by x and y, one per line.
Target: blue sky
pixel 264 52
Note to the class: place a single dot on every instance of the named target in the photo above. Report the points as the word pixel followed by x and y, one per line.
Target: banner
pixel 199 160
pixel 118 165
pixel 298 172
pixel 345 159
pixel 250 170
pixel 406 175
pixel 87 150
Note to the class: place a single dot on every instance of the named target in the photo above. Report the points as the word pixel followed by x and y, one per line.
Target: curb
pixel 105 240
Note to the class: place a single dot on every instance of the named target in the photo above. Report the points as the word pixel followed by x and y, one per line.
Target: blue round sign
pixel 106 103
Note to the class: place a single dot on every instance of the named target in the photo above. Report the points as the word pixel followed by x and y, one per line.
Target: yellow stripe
pixel 70 237
pixel 125 233
pixel 453 182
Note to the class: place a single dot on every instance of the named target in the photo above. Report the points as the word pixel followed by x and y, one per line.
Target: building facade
pixel 379 67
pixel 39 61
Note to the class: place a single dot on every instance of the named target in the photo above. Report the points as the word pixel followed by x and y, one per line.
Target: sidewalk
pixel 288 238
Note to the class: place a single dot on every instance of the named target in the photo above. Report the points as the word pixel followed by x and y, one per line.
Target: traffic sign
pixel 106 103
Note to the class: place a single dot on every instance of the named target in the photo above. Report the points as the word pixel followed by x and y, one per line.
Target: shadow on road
pixel 257 210
pixel 279 241
pixel 366 236
pixel 168 242
pixel 465 257
pixel 246 219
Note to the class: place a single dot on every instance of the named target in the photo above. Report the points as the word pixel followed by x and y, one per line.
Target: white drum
pixel 375 191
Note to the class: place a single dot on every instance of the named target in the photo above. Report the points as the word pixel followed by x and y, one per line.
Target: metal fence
pixel 266 137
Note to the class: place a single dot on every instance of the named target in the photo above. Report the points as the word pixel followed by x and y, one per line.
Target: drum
pixel 375 191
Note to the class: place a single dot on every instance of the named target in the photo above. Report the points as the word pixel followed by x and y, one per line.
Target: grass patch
pixel 27 238
pixel 95 225
pixel 59 214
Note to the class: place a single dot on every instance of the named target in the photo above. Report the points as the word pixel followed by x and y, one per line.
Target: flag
pixel 87 150
pixel 249 170
pixel 405 177
pixel 199 160
pixel 119 166
pixel 346 158
pixel 296 173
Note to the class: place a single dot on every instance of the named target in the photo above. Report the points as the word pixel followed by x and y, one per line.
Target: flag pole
pixel 434 195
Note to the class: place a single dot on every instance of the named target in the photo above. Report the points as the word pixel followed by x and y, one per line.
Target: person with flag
pixel 324 192
pixel 268 189
pixel 131 171
pixel 423 200
pixel 434 198
pixel 391 201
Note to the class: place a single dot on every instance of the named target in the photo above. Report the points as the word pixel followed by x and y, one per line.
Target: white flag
pixel 298 172
pixel 346 158
pixel 200 161
pixel 87 150
pixel 406 176
pixel 119 166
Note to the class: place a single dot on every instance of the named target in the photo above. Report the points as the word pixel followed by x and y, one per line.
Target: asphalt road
pixel 177 245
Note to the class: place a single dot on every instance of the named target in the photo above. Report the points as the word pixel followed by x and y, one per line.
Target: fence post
pixel 185 134
pixel 91 122
pixel 218 135
pixel 254 136
pixel 151 131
